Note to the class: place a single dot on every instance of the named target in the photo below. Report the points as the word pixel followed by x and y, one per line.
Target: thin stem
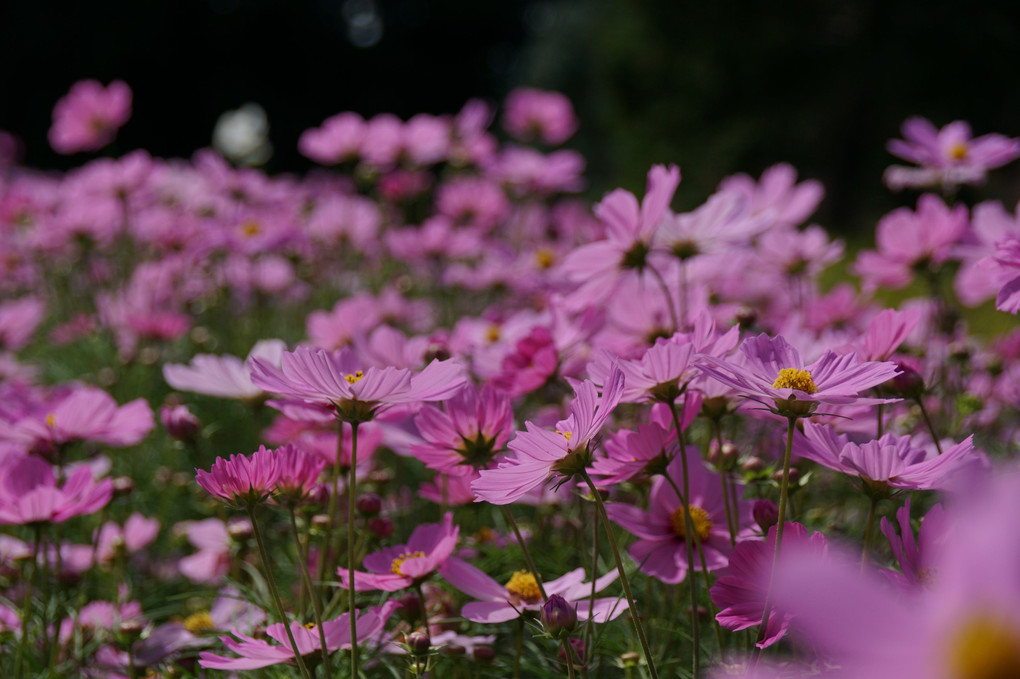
pixel 669 298
pixel 316 609
pixel 594 573
pixel 351 494
pixel 688 547
pixel 277 601
pixel 931 427
pixel 334 479
pixel 623 576
pixel 783 493
pixel 724 474
pixel 524 549
pixel 868 530
pixel 26 606
pixel 520 644
pixel 879 413
pixel 568 652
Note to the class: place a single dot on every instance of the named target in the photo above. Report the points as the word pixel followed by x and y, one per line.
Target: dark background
pixel 717 87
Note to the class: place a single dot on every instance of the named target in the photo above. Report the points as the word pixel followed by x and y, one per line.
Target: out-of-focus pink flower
pixel 212 538
pixel 529 113
pixel 336 140
pixel 29 492
pixel 299 473
pixel 224 376
pixel 137 532
pixel 398 567
pixel 917 558
pixel 179 422
pixel 87 118
pixel 241 481
pixel 255 653
pixel 947 157
pixel 18 320
pixel 776 197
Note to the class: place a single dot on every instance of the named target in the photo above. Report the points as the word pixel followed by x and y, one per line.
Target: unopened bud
pixel 794 475
pixel 630 659
pixel 722 458
pixel 752 464
pixel 380 526
pixel 484 655
pixel 558 616
pixel 123 485
pixel 766 514
pixel 369 504
pixel 419 642
pixel 179 422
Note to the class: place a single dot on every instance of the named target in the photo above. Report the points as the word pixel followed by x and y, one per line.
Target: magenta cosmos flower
pixel 917 557
pixel 474 426
pixel 774 374
pixel 255 653
pixel 398 567
pixel 661 531
pixel 891 462
pixel 499 603
pixel 88 117
pixel 739 593
pixel 539 453
pixel 336 380
pixel 242 481
pixel 29 492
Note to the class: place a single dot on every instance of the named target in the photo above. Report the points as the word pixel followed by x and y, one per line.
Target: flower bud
pixel 369 504
pixel 123 485
pixel 766 514
pixel 419 642
pixel 380 526
pixel 484 655
pixel 179 422
pixel 558 616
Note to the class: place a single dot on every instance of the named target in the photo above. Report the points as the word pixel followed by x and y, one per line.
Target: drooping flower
pixel 88 117
pixel 400 566
pixel 499 603
pixel 661 531
pixel 739 593
pixel 336 379
pixel 772 372
pixel 255 653
pixel 539 453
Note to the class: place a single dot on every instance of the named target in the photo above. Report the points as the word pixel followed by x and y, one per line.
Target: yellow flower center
pixel 700 519
pixel 492 333
pixel 958 151
pixel 250 228
pixel 399 561
pixel 51 420
pixel 522 585
pixel 984 648
pixel 795 378
pixel 484 535
pixel 351 379
pixel 564 434
pixel 309 626
pixel 545 258
pixel 200 622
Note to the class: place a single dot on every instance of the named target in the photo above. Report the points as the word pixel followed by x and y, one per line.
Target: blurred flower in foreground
pixel 242 135
pixel 88 117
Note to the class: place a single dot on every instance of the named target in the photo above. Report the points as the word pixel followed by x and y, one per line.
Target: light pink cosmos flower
pixel 530 113
pixel 1007 259
pixel 29 492
pixel 500 603
pixel 255 653
pixel 776 197
pixel 400 566
pixel 739 593
pixel 137 533
pixel 474 426
pixel 212 538
pixel 979 277
pixel 242 481
pixel 661 531
pixel 646 450
pixel 917 557
pixel 539 453
pixel 947 157
pixel 18 320
pixel 773 373
pixel 87 118
pixel 335 379
pixel 886 463
pixel 336 140
pixel 223 376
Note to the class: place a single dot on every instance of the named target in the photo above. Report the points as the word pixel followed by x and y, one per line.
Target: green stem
pixel 623 575
pixel 334 479
pixel 26 606
pixel 568 652
pixel 351 495
pixel 274 592
pixel 520 644
pixel 869 528
pixel 669 298
pixel 594 572
pixel 689 530
pixel 524 549
pixel 316 609
pixel 927 421
pixel 724 474
pixel 783 493
pixel 879 413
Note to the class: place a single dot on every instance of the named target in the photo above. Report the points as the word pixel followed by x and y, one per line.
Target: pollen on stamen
pixel 700 520
pixel 522 585
pixel 351 379
pixel 564 434
pixel 399 561
pixel 958 151
pixel 51 420
pixel 795 378
pixel 196 623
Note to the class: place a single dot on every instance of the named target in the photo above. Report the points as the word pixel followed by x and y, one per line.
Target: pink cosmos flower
pixel 776 197
pixel 29 492
pixel 299 473
pixel 223 376
pixel 646 450
pixel 947 156
pixel 336 140
pixel 532 113
pixel 400 566
pixel 255 653
pixel 87 118
pixel 500 603
pixel 917 557
pixel 739 593
pixel 889 462
pixel 18 320
pixel 474 426
pixel 212 538
pixel 1007 259
pixel 772 372
pixel 137 533
pixel 335 379
pixel 539 453
pixel 661 531
pixel 242 481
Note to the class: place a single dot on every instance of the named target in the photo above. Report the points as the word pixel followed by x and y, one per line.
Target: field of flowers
pixel 425 413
